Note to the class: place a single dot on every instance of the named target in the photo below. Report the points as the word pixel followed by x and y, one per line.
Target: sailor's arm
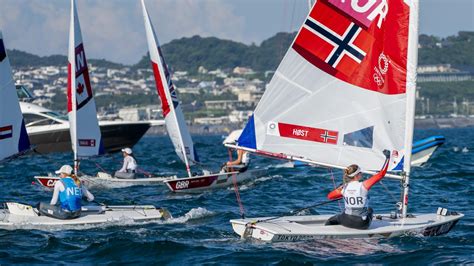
pixel 335 194
pixel 240 154
pixel 124 166
pixel 87 194
pixel 377 177
pixel 57 188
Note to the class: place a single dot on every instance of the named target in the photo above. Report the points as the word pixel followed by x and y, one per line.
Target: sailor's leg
pixel 355 222
pixel 334 220
pixel 47 209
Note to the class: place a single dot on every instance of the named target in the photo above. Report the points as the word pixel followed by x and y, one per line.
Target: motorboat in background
pixel 49 131
pixel 424 148
pixel 421 152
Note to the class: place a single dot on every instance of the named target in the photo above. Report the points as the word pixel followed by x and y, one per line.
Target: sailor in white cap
pixel 67 197
pixel 129 166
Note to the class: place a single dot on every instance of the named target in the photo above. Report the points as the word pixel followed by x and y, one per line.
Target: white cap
pixel 127 151
pixel 65 169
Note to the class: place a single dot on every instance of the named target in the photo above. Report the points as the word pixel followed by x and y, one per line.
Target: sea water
pixel 200 232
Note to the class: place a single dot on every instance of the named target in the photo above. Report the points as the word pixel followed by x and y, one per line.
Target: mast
pixel 73 86
pixel 411 89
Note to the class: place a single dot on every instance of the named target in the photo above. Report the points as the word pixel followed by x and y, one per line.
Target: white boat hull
pixel 211 181
pixel 17 215
pixel 420 158
pixel 298 228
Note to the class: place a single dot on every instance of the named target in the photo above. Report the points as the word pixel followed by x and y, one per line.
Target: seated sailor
pixel 240 164
pixel 69 191
pixel 129 166
pixel 357 214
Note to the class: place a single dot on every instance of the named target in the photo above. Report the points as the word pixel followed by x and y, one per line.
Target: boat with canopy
pixel 343 93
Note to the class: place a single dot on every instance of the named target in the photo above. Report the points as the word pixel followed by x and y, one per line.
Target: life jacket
pixel 356 199
pixel 70 198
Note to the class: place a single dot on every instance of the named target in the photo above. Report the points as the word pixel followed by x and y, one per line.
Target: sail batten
pixel 339 96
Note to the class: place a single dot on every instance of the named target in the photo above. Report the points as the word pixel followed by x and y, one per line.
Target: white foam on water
pixel 338 247
pixel 252 183
pixel 193 214
pixel 283 165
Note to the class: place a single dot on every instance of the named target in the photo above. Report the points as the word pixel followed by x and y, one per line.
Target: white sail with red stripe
pixel 13 136
pixel 344 90
pixel 174 118
pixel 84 127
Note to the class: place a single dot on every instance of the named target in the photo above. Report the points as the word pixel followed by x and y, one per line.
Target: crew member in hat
pixel 129 166
pixel 67 197
pixel 357 213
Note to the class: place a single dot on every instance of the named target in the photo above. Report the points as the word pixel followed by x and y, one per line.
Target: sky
pixel 113 29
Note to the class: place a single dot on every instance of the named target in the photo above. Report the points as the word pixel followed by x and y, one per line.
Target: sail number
pixel 50 182
pixel 182 184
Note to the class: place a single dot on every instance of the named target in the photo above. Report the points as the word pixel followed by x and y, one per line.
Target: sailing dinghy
pixel 344 92
pixel 86 141
pixel 176 125
pixel 85 131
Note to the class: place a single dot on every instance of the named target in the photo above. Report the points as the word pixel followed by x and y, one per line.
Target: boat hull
pixel 116 136
pixel 211 181
pixel 423 149
pixel 299 228
pixel 18 215
pixel 103 180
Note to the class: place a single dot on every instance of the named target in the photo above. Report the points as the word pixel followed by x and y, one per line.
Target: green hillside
pixel 187 54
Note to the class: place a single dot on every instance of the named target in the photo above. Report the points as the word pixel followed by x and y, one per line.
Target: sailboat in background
pixel 86 139
pixel 176 125
pixel 13 137
pixel 85 133
pixel 343 93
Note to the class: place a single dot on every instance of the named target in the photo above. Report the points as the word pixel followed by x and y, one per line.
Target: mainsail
pixel 13 136
pixel 84 127
pixel 174 118
pixel 344 90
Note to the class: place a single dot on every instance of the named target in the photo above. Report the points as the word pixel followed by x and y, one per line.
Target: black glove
pixel 386 153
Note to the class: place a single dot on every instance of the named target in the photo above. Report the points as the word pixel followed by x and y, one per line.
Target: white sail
pixel 13 136
pixel 85 132
pixel 174 118
pixel 339 96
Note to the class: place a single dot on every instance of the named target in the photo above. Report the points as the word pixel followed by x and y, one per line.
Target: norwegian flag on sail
pixel 333 47
pixel 357 42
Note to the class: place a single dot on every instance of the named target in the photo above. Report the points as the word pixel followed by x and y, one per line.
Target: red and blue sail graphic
pixel 84 126
pixel 13 136
pixel 344 90
pixel 174 117
pixel 334 39
pixel 161 89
